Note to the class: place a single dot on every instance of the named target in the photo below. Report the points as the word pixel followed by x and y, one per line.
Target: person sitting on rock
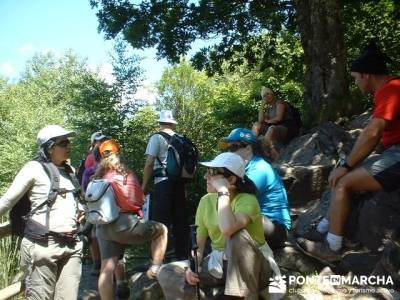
pixel 230 216
pixel 362 171
pixel 275 123
pixel 129 228
pixel 271 192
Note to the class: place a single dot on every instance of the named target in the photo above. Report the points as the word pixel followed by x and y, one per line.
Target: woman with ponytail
pixel 129 228
pixel 230 216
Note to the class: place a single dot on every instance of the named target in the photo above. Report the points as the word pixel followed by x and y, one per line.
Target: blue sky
pixel 29 26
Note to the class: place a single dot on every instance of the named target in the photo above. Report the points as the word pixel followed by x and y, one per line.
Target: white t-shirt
pixel 158 147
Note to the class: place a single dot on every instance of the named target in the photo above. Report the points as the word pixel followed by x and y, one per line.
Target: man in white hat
pixel 169 203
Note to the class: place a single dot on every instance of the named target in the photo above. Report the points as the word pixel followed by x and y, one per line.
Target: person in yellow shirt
pixel 230 216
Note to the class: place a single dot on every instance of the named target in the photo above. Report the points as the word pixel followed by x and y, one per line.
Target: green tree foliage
pixel 324 28
pixel 172 26
pixel 371 20
pixel 137 131
pixel 128 74
pixel 61 91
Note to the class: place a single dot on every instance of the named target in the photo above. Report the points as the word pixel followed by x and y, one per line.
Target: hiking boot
pixel 152 272
pixel 314 235
pixel 123 290
pixel 319 250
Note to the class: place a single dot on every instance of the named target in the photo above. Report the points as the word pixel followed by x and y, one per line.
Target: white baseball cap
pixel 166 116
pixel 52 131
pixel 97 136
pixel 229 160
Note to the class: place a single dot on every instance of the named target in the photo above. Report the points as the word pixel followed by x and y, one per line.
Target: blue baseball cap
pixel 239 135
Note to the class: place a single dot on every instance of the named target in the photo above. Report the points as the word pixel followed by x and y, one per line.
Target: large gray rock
pixel 292 261
pixel 313 215
pixel 319 147
pixel 372 222
pixel 306 162
pixel 143 288
pixel 379 217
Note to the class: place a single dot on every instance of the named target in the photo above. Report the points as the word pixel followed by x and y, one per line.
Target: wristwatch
pixel 220 194
pixel 343 163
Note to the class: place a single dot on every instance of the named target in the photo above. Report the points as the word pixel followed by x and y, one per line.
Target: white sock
pixel 121 281
pixel 323 226
pixel 334 241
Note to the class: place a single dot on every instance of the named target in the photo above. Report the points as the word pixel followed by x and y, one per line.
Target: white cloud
pixel 26 49
pixel 104 71
pixel 146 92
pixel 7 69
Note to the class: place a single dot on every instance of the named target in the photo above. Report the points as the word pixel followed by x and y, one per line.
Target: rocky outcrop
pixel 306 162
pixel 143 288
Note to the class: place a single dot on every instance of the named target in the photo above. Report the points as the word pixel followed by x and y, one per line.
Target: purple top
pixel 86 176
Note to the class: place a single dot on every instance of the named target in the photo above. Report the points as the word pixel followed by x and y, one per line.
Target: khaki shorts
pixel 128 229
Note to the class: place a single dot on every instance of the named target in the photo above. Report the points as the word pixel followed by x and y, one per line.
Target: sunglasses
pixel 235 147
pixel 63 143
pixel 214 172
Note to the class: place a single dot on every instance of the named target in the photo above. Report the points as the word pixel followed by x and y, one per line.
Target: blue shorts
pixel 385 168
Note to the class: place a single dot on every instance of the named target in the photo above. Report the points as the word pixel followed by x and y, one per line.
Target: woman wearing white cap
pixel 230 216
pixel 50 251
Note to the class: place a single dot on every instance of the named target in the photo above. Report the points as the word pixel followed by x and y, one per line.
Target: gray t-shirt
pixel 158 147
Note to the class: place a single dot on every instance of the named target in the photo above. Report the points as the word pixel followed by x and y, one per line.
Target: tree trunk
pixel 327 91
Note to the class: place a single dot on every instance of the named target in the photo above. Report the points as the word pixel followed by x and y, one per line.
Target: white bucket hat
pixel 166 116
pixel 52 131
pixel 229 160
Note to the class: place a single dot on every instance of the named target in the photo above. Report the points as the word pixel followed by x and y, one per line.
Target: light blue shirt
pixel 271 193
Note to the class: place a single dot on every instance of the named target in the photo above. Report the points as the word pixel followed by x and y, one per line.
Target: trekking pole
pixel 194 262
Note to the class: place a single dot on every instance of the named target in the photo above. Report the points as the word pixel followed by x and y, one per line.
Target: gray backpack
pixel 100 200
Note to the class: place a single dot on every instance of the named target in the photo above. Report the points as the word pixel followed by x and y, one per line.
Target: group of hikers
pixel 245 214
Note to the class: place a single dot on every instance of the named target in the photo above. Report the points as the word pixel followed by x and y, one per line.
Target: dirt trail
pixel 88 287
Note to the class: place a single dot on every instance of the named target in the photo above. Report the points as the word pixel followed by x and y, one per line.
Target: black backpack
pixel 181 159
pixel 295 113
pixel 22 212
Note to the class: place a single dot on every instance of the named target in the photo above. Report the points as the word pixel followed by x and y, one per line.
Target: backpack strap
pixel 77 191
pixel 167 137
pixel 54 176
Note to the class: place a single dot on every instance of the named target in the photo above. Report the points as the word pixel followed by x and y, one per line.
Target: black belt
pixel 64 235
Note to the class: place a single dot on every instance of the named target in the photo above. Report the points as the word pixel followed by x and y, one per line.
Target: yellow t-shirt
pixel 207 218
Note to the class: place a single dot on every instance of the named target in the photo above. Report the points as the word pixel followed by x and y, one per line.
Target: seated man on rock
pixel 362 171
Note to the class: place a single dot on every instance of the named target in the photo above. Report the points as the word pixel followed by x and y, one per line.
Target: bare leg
pixel 355 181
pixel 120 270
pixel 159 246
pixel 268 144
pixel 256 128
pixel 95 252
pixel 106 284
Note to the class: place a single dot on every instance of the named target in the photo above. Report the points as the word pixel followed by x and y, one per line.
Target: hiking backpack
pixel 100 201
pixel 296 116
pixel 181 159
pixel 21 212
